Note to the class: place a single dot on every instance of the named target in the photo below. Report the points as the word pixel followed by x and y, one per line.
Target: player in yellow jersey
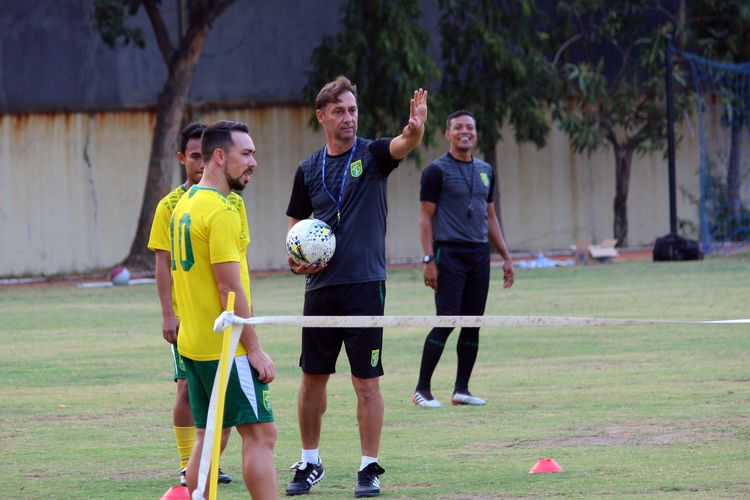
pixel 189 156
pixel 208 243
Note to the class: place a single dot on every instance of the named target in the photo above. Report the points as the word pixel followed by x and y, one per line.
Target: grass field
pixel 627 411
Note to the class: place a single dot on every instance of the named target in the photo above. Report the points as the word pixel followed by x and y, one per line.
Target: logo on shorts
pixel 356 168
pixel 267 400
pixel 374 357
pixel 485 179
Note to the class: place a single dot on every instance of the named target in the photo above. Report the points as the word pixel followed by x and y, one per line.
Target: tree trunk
pixel 623 163
pixel 734 181
pixel 169 115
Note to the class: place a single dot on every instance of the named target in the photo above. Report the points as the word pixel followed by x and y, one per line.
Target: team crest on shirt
pixel 485 179
pixel 267 400
pixel 374 357
pixel 356 168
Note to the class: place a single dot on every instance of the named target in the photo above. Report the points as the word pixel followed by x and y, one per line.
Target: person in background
pixel 189 156
pixel 457 224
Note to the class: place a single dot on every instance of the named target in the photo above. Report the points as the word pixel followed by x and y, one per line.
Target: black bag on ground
pixel 673 247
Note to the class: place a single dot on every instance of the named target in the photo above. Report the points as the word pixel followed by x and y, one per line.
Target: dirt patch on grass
pixel 632 437
pixel 41 476
pixel 480 497
pixel 636 433
pixel 88 417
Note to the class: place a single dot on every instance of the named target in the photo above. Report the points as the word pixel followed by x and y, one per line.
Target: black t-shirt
pixel 455 186
pixel 360 236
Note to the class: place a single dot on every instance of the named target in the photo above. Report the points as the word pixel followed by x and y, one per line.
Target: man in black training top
pixel 344 184
pixel 456 221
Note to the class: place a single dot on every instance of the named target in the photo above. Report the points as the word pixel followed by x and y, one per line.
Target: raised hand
pixel 418 109
pixel 411 136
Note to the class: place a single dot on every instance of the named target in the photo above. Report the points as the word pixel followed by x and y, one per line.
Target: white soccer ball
pixel 311 241
pixel 120 276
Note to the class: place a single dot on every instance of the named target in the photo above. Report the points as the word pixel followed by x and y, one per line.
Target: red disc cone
pixel 545 465
pixel 176 493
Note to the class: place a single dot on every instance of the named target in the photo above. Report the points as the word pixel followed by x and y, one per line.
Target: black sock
pixel 433 349
pixel 467 349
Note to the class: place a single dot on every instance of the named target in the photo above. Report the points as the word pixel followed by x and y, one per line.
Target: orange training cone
pixel 176 493
pixel 545 465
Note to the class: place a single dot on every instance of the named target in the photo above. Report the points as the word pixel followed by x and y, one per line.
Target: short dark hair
pixel 191 131
pixel 456 114
pixel 332 90
pixel 219 135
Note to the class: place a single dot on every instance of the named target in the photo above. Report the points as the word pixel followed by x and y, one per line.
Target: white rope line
pixel 226 319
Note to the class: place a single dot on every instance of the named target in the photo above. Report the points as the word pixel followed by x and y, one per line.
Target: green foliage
pixel 495 67
pixel 613 77
pixel 720 29
pixel 381 49
pixel 111 17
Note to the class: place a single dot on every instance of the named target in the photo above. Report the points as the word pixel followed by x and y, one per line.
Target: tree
pixel 381 49
pixel 721 30
pixel 111 18
pixel 613 90
pixel 495 67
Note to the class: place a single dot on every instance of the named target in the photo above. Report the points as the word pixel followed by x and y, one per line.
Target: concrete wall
pixel 72 188
pixel 552 198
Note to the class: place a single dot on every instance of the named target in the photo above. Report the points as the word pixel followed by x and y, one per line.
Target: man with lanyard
pixel 344 184
pixel 456 220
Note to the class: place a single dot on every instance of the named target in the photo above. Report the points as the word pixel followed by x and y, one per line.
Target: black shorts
pixel 321 346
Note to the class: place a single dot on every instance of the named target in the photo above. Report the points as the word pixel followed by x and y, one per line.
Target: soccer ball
pixel 120 276
pixel 310 241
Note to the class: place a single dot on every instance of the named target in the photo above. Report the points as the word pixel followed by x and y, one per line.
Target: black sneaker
pixel 224 477
pixel 368 484
pixel 307 474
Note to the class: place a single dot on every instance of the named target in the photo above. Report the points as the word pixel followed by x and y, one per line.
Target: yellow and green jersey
pixel 206 228
pixel 159 237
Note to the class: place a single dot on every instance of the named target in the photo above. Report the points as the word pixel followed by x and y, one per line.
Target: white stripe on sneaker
pixel 420 400
pixel 312 476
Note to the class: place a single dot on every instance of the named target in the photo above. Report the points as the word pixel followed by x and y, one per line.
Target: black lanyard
pixel 469 183
pixel 338 203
